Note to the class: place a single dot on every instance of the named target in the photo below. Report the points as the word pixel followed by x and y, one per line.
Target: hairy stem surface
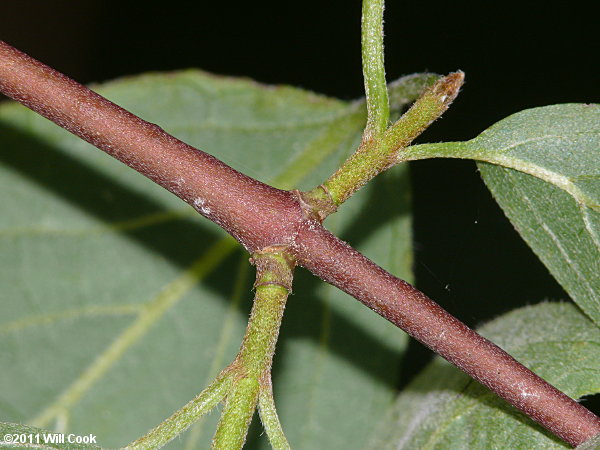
pixel 186 416
pixel 253 363
pixel 260 216
pixel 378 107
pixel 377 155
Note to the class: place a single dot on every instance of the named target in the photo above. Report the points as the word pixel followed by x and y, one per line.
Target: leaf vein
pixel 156 309
pixel 552 237
pixel 53 317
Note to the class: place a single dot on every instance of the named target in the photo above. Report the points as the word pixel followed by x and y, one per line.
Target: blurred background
pixel 516 55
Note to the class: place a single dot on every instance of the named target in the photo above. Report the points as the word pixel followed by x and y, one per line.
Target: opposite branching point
pixel 246 382
pixel 282 228
pixel 378 154
pixel 274 275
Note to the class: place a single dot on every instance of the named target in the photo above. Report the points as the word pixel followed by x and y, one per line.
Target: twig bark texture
pixel 259 216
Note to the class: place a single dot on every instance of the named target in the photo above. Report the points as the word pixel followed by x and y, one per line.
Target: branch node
pixel 274 267
pixel 316 204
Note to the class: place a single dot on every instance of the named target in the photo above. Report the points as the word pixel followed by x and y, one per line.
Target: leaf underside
pixel 444 409
pixel 120 303
pixel 543 168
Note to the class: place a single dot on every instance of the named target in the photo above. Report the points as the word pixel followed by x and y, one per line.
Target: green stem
pixel 237 415
pixel 186 416
pixel 253 363
pixel 269 418
pixel 241 383
pixel 429 107
pixel 380 145
pixel 373 69
pixel 375 156
pixel 273 284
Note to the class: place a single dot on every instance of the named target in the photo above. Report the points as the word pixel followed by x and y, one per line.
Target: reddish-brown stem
pixel 339 264
pixel 260 216
pixel 256 214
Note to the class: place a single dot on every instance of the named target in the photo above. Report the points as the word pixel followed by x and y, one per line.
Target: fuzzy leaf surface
pixel 543 168
pixel 119 303
pixel 445 409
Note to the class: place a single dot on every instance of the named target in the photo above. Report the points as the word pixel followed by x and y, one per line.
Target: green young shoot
pixel 253 363
pixel 375 156
pixel 380 145
pixel 269 418
pixel 186 416
pixel 237 415
pixel 428 108
pixel 376 94
pixel 247 380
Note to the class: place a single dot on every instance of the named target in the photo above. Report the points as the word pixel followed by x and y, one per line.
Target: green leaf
pixel 543 167
pixel 14 435
pixel 445 409
pixel 119 303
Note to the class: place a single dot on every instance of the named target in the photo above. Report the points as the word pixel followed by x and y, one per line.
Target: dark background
pixel 516 55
